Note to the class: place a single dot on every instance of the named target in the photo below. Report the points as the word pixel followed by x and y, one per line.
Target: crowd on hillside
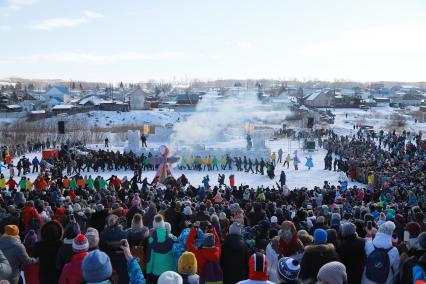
pixel 63 229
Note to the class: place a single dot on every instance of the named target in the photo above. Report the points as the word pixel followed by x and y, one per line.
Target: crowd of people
pixel 75 229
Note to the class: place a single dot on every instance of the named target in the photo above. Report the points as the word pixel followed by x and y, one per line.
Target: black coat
pixel 173 217
pixel 352 254
pixel 46 252
pixel 314 257
pixel 234 259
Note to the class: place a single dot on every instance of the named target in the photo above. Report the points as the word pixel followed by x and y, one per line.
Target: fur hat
pixel 333 272
pixel 187 263
pixel 158 222
pixel 80 244
pixel 258 267
pixel 347 229
pixel 52 231
pixel 170 277
pixel 414 229
pixel 235 229
pixel 320 236
pixel 96 267
pixel 387 228
pixel 137 221
pixel 92 236
pixel 208 240
pixel 288 268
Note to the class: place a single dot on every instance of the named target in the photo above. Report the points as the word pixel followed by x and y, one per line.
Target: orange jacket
pixel 204 255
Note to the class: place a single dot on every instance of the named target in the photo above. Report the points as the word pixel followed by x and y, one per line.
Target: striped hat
pixel 80 244
pixel 288 268
pixel 258 267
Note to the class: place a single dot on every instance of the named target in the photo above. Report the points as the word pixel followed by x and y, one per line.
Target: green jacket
pixel 160 254
pixel 90 183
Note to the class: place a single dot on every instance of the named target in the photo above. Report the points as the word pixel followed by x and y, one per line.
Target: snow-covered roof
pixel 93 99
pixel 38 112
pixel 62 107
pixel 314 95
pixel 14 106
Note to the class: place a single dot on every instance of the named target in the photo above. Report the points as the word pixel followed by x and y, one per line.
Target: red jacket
pixel 72 273
pixel 204 255
pixel 12 184
pixel 27 215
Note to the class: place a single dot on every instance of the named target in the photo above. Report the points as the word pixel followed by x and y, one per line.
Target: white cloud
pixel 82 57
pixel 13 5
pixel 67 22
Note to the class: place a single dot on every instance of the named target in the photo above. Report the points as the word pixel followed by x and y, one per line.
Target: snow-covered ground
pixel 295 179
pixel 377 117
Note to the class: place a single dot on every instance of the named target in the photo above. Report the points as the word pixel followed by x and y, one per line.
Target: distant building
pixel 58 92
pixel 381 102
pixel 187 99
pixel 320 98
pixel 113 106
pixel 137 99
pixel 408 99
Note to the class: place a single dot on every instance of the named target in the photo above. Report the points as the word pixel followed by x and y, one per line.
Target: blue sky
pixel 138 40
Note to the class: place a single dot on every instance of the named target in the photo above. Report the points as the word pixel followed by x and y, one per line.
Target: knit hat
pixel 333 272
pixel 222 216
pixel 235 229
pixel 347 229
pixel 80 244
pixel 11 231
pixel 187 211
pixel 92 236
pixel 30 239
pixel 274 219
pixel 414 229
pixel 158 222
pixel 187 263
pixel 387 228
pixel 320 236
pixel 170 277
pixel 422 240
pixel 258 267
pixel 288 268
pixel 96 267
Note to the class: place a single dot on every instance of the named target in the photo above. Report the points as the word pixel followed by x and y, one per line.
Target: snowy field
pixel 295 179
pixel 377 117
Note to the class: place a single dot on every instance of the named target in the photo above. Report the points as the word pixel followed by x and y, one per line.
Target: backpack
pixel 406 269
pixel 378 265
pixel 213 273
pixel 34 223
pixel 138 253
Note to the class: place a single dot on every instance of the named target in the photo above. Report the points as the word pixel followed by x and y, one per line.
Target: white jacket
pixel 272 264
pixel 382 240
